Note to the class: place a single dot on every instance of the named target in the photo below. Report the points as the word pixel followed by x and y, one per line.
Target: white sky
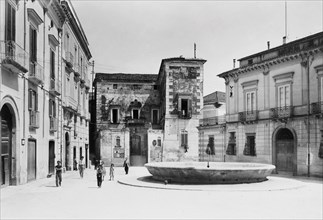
pixel 134 36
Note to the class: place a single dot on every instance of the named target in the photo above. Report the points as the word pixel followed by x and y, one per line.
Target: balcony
pixel 55 87
pixel 140 121
pixel 53 124
pixel 36 73
pixel 33 119
pixel 13 57
pixel 77 71
pixel 69 59
pixel 248 116
pixel 212 121
pixel 184 114
pixel 317 108
pixel 281 112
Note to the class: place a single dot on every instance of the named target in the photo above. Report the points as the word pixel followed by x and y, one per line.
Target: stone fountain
pixel 209 172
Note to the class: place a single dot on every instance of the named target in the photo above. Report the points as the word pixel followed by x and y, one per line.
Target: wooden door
pixel 137 157
pixel 5 149
pixel 284 155
pixel 51 157
pixel 31 161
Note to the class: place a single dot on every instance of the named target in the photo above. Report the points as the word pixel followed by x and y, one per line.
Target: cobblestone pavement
pixel 82 199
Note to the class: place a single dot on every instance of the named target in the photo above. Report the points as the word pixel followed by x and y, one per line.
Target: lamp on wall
pixel 23 141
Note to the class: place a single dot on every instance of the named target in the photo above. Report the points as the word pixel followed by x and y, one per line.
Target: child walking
pixel 112 172
pixel 100 171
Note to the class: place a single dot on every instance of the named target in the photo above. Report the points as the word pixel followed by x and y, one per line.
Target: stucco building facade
pixel 274 107
pixel 149 117
pixel 32 60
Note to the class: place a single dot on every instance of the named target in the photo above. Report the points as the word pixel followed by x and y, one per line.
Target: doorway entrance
pixel 138 152
pixel 31 160
pixel 6 146
pixel 51 157
pixel 285 152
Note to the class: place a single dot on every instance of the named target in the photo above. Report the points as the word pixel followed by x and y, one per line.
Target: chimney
pixel 284 40
pixel 268 44
pixel 234 63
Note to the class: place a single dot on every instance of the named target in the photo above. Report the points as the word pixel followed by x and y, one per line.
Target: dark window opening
pixel 135 114
pixel 231 149
pixel 155 117
pixel 184 138
pixel 210 146
pixel 250 146
pixel 114 116
pixel 115 86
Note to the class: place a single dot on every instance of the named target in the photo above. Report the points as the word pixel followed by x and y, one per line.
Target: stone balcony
pixel 36 73
pixel 13 57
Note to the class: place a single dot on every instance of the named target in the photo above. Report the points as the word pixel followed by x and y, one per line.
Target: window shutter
pixel 179 105
pixel 50 108
pixel 189 101
pixel 30 101
pixel 185 136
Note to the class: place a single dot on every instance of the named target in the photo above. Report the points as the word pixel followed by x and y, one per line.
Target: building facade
pixel 274 107
pixel 31 57
pixel 149 117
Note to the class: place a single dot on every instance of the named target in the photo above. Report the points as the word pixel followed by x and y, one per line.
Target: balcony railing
pixel 53 124
pixel 184 114
pixel 33 119
pixel 248 116
pixel 77 70
pixel 55 87
pixel 212 121
pixel 13 56
pixel 281 112
pixel 69 59
pixel 135 121
pixel 36 73
pixel 317 108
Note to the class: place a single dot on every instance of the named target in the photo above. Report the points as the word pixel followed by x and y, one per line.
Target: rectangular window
pixel 321 90
pixel 250 101
pixel 115 116
pixel 52 108
pixel 10 25
pixel 52 64
pixel 184 143
pixel 185 108
pixel 159 142
pixel 33 44
pixel 231 149
pixel 118 141
pixel 32 100
pixel 250 145
pixel 155 116
pixel 115 86
pixel 284 96
pixel 135 114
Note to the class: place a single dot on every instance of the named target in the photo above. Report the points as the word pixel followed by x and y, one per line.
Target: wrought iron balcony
pixel 53 122
pixel 69 59
pixel 55 87
pixel 317 108
pixel 33 119
pixel 212 121
pixel 248 116
pixel 36 73
pixel 281 112
pixel 13 57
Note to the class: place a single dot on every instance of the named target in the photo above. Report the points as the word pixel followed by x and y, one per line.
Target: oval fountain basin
pixel 217 173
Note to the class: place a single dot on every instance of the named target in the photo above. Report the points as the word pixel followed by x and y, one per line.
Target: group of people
pixel 100 171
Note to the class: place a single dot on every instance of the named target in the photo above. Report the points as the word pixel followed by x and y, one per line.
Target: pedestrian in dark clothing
pixel 58 169
pixel 125 165
pixel 100 171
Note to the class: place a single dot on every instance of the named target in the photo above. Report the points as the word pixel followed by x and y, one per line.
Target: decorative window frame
pixel 111 114
pixel 282 80
pixel 132 114
pixel 250 87
pixel 33 18
pixel 319 71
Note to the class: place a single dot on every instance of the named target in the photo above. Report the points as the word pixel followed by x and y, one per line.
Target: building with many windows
pixel 32 63
pixel 274 108
pixel 149 117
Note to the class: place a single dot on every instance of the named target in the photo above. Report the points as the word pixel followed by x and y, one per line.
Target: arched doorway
pixel 67 150
pixel 285 151
pixel 6 145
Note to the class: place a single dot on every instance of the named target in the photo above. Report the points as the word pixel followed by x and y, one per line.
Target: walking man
pixel 58 169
